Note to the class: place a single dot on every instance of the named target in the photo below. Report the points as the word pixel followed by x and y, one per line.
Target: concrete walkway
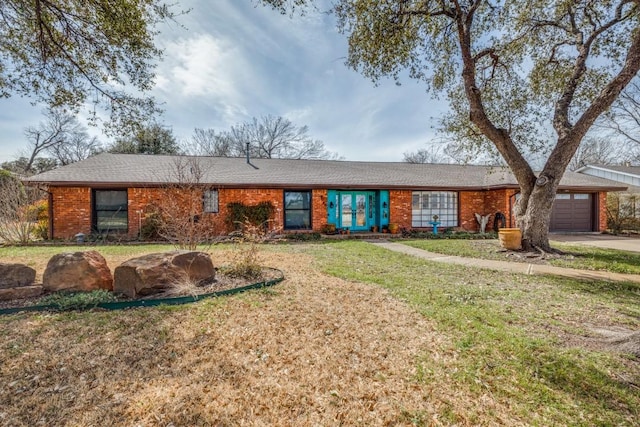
pixel 512 267
pixel 606 241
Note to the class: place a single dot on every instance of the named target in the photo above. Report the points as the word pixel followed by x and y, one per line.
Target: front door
pixel 356 210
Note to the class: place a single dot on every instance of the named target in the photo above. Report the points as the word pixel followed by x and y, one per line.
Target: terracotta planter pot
pixel 510 238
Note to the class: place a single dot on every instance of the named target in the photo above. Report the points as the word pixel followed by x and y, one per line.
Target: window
pixel 297 210
pixel 110 210
pixel 210 201
pixel 426 204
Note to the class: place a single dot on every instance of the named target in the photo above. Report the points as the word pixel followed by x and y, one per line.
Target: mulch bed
pixel 222 282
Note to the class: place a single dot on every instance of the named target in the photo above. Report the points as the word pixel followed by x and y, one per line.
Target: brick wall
pixel 71 211
pixel 319 208
pixel 601 220
pixel 400 207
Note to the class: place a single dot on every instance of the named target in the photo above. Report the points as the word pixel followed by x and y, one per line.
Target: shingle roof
pixel 145 170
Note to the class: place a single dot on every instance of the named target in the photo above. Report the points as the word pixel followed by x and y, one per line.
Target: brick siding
pixel 71 211
pixel 400 207
pixel 601 211
pixel 72 207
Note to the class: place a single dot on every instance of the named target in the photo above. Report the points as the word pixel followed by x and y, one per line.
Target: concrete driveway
pixel 606 241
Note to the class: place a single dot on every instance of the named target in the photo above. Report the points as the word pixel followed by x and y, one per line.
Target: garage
pixel 572 212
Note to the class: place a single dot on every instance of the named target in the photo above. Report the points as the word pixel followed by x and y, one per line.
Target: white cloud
pixel 204 66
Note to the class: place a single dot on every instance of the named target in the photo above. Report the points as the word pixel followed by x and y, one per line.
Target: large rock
pixel 77 271
pixel 155 273
pixel 16 275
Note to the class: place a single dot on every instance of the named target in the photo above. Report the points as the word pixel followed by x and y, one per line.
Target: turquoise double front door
pixel 357 210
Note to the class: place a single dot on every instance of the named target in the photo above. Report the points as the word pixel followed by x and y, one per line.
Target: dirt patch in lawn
pixel 314 350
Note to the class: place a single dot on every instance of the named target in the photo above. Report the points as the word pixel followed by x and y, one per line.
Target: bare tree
pixel 268 137
pixel 433 153
pixel 17 221
pixel 61 136
pixel 624 118
pixel 601 151
pixel 208 142
pixel 181 211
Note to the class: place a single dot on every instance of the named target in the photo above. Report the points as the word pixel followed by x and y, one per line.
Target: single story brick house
pixel 111 192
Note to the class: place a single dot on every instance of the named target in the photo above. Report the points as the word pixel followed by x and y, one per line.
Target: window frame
pixel 95 211
pixel 206 201
pixel 448 216
pixel 309 210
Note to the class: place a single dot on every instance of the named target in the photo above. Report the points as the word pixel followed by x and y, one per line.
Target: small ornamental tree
pixel 180 213
pixel 18 219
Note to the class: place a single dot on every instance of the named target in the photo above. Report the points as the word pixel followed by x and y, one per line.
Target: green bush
pixel 448 234
pixel 151 225
pixel 65 301
pixel 303 237
pixel 240 214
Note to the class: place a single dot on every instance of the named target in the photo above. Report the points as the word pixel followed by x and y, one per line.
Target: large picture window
pixel 110 210
pixel 297 210
pixel 210 201
pixel 426 204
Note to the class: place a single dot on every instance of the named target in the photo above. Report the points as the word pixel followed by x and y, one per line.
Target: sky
pixel 236 60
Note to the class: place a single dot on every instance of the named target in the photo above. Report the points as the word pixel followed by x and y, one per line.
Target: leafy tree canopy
pixel 65 53
pixel 511 68
pixel 153 139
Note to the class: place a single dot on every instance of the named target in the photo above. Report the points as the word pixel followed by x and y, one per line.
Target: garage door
pixel 572 212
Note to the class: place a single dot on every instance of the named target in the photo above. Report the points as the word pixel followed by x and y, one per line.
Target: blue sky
pixel 235 61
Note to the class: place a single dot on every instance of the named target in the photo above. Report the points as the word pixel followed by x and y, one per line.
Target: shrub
pixel 246 257
pixel 151 225
pixel 448 233
pixel 303 237
pixel 240 215
pixel 65 301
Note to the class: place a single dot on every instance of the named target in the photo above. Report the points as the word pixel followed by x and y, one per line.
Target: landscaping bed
pixel 182 293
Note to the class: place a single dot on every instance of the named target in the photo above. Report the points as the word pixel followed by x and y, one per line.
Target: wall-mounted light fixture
pixel 384 205
pixel 331 205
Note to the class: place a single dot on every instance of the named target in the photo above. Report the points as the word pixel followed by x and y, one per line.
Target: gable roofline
pixel 613 169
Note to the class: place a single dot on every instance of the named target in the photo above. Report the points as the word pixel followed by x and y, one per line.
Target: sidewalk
pixel 512 267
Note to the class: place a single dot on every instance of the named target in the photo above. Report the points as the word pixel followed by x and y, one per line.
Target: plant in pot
pixel 328 228
pixel 394 228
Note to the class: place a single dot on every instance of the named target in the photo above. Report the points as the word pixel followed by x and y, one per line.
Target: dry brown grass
pixel 314 350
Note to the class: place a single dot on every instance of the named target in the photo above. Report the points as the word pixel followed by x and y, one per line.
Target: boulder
pixel 20 292
pixel 155 273
pixel 16 275
pixel 77 271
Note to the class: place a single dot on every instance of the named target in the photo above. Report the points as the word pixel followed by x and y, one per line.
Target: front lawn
pixel 576 256
pixel 355 335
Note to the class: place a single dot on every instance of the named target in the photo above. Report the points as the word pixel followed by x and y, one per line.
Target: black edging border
pixel 152 302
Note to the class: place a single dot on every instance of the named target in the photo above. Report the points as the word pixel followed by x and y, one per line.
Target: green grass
pixel 577 256
pixel 505 334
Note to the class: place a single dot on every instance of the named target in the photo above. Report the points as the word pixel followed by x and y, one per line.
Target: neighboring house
pixel 626 175
pixel 110 192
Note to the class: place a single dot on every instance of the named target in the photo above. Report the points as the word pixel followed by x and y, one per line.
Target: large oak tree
pixel 514 66
pixel 65 53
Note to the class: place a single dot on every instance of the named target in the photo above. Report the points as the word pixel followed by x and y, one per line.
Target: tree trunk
pixel 535 221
